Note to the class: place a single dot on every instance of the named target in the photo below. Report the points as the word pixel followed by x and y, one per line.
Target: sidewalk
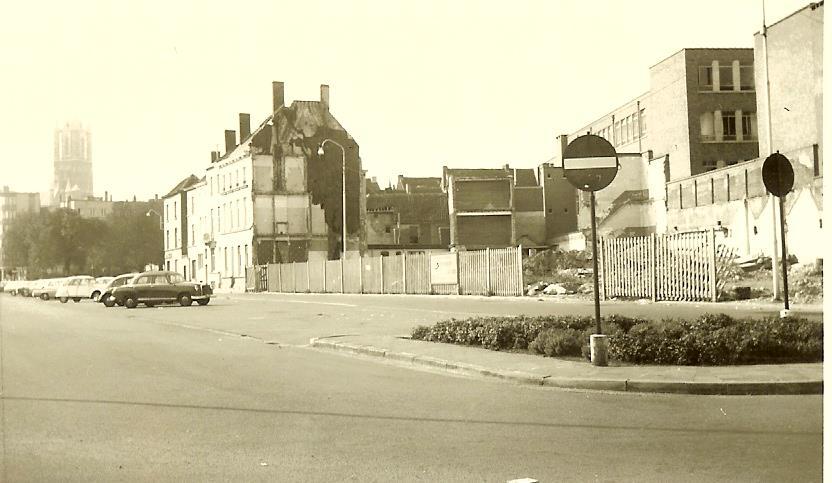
pixel 545 371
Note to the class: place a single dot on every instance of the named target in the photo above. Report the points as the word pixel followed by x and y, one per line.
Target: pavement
pixel 521 368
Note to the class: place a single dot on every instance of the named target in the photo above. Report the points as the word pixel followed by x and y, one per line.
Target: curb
pixel 623 385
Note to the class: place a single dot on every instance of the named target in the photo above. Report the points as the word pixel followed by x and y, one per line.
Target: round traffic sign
pixel 590 163
pixel 778 174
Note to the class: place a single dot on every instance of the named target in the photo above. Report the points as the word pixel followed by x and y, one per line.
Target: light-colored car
pixel 47 290
pixel 17 287
pixel 99 287
pixel 75 288
pixel 106 296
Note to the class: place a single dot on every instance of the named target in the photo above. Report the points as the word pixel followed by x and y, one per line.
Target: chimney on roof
pixel 277 95
pixel 230 140
pixel 156 196
pixel 505 167
pixel 325 95
pixel 214 156
pixel 245 126
pixel 105 196
pixel 564 141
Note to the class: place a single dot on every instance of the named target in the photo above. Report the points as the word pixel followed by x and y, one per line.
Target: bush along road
pixel 711 339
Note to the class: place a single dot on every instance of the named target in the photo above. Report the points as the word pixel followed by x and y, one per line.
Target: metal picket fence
pixel 680 266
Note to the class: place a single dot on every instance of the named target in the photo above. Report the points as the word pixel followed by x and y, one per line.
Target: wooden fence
pixel 482 272
pixel 680 266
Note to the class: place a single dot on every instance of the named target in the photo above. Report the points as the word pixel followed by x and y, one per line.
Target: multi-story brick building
pixel 12 204
pixel 494 208
pixel 412 216
pixel 271 197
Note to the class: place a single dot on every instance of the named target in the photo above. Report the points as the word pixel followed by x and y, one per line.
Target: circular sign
pixel 590 163
pixel 778 174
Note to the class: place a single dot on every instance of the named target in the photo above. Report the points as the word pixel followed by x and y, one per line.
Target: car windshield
pixel 176 278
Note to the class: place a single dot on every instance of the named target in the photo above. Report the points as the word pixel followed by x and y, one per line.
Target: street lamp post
pixel 343 194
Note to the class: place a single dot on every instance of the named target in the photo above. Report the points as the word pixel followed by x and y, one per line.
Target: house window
pixel 167 212
pixel 246 254
pixel 643 122
pixel 709 164
pixel 245 212
pixel 726 78
pixel 749 125
pixel 706 126
pixel 167 239
pixel 706 78
pixel 176 237
pixel 175 216
pixel 212 220
pixel 617 132
pixel 386 229
pixel 244 175
pixel 729 126
pixel 746 77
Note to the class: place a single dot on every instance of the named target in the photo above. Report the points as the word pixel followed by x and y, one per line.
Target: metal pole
pixel 595 264
pixel 775 280
pixel 343 203
pixel 784 254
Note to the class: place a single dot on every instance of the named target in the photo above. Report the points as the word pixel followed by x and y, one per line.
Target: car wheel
pixel 185 300
pixel 95 295
pixel 109 301
pixel 130 302
pixel 203 302
pixel 64 300
pixel 44 296
pixel 76 299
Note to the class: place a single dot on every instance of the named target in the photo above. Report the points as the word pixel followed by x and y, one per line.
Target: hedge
pixel 712 339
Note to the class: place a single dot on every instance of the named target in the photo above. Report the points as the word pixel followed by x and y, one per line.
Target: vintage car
pixel 106 296
pixel 75 288
pixel 99 286
pixel 18 287
pixel 158 287
pixel 47 289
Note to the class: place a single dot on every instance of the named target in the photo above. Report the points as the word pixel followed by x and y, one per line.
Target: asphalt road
pixel 230 392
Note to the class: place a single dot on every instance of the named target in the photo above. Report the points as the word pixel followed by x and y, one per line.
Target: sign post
pixel 778 177
pixel 590 163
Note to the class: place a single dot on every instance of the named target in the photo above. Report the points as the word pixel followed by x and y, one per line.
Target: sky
pixel 419 85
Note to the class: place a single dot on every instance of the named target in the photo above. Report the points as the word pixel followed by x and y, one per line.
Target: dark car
pixel 158 287
pixel 106 296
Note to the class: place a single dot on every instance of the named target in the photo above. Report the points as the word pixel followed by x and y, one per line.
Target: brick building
pixel 13 204
pixel 269 198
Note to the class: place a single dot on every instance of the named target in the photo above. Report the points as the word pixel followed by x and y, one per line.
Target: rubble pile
pixel 558 272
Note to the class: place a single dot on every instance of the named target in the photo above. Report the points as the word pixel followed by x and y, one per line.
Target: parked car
pixel 10 287
pixel 47 289
pixel 75 288
pixel 106 296
pixel 160 286
pixel 99 286
pixel 19 287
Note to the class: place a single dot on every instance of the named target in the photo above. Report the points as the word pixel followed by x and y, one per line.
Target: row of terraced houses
pixel 690 149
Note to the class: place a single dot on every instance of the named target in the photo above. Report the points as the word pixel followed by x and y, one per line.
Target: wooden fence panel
pixel 352 275
pixel 274 277
pixel 506 275
pixel 301 279
pixel 333 276
pixel 472 272
pixel 315 273
pixel 417 272
pixel 392 270
pixel 371 274
pixel 287 278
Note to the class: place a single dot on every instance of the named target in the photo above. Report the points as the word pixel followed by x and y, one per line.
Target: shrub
pixel 711 339
pixel 557 342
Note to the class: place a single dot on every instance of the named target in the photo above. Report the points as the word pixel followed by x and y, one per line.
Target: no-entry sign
pixel 778 174
pixel 590 163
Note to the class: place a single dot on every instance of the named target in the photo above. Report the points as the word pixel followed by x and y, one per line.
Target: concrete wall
pixel 667 107
pixel 795 55
pixel 735 199
pixel 560 201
